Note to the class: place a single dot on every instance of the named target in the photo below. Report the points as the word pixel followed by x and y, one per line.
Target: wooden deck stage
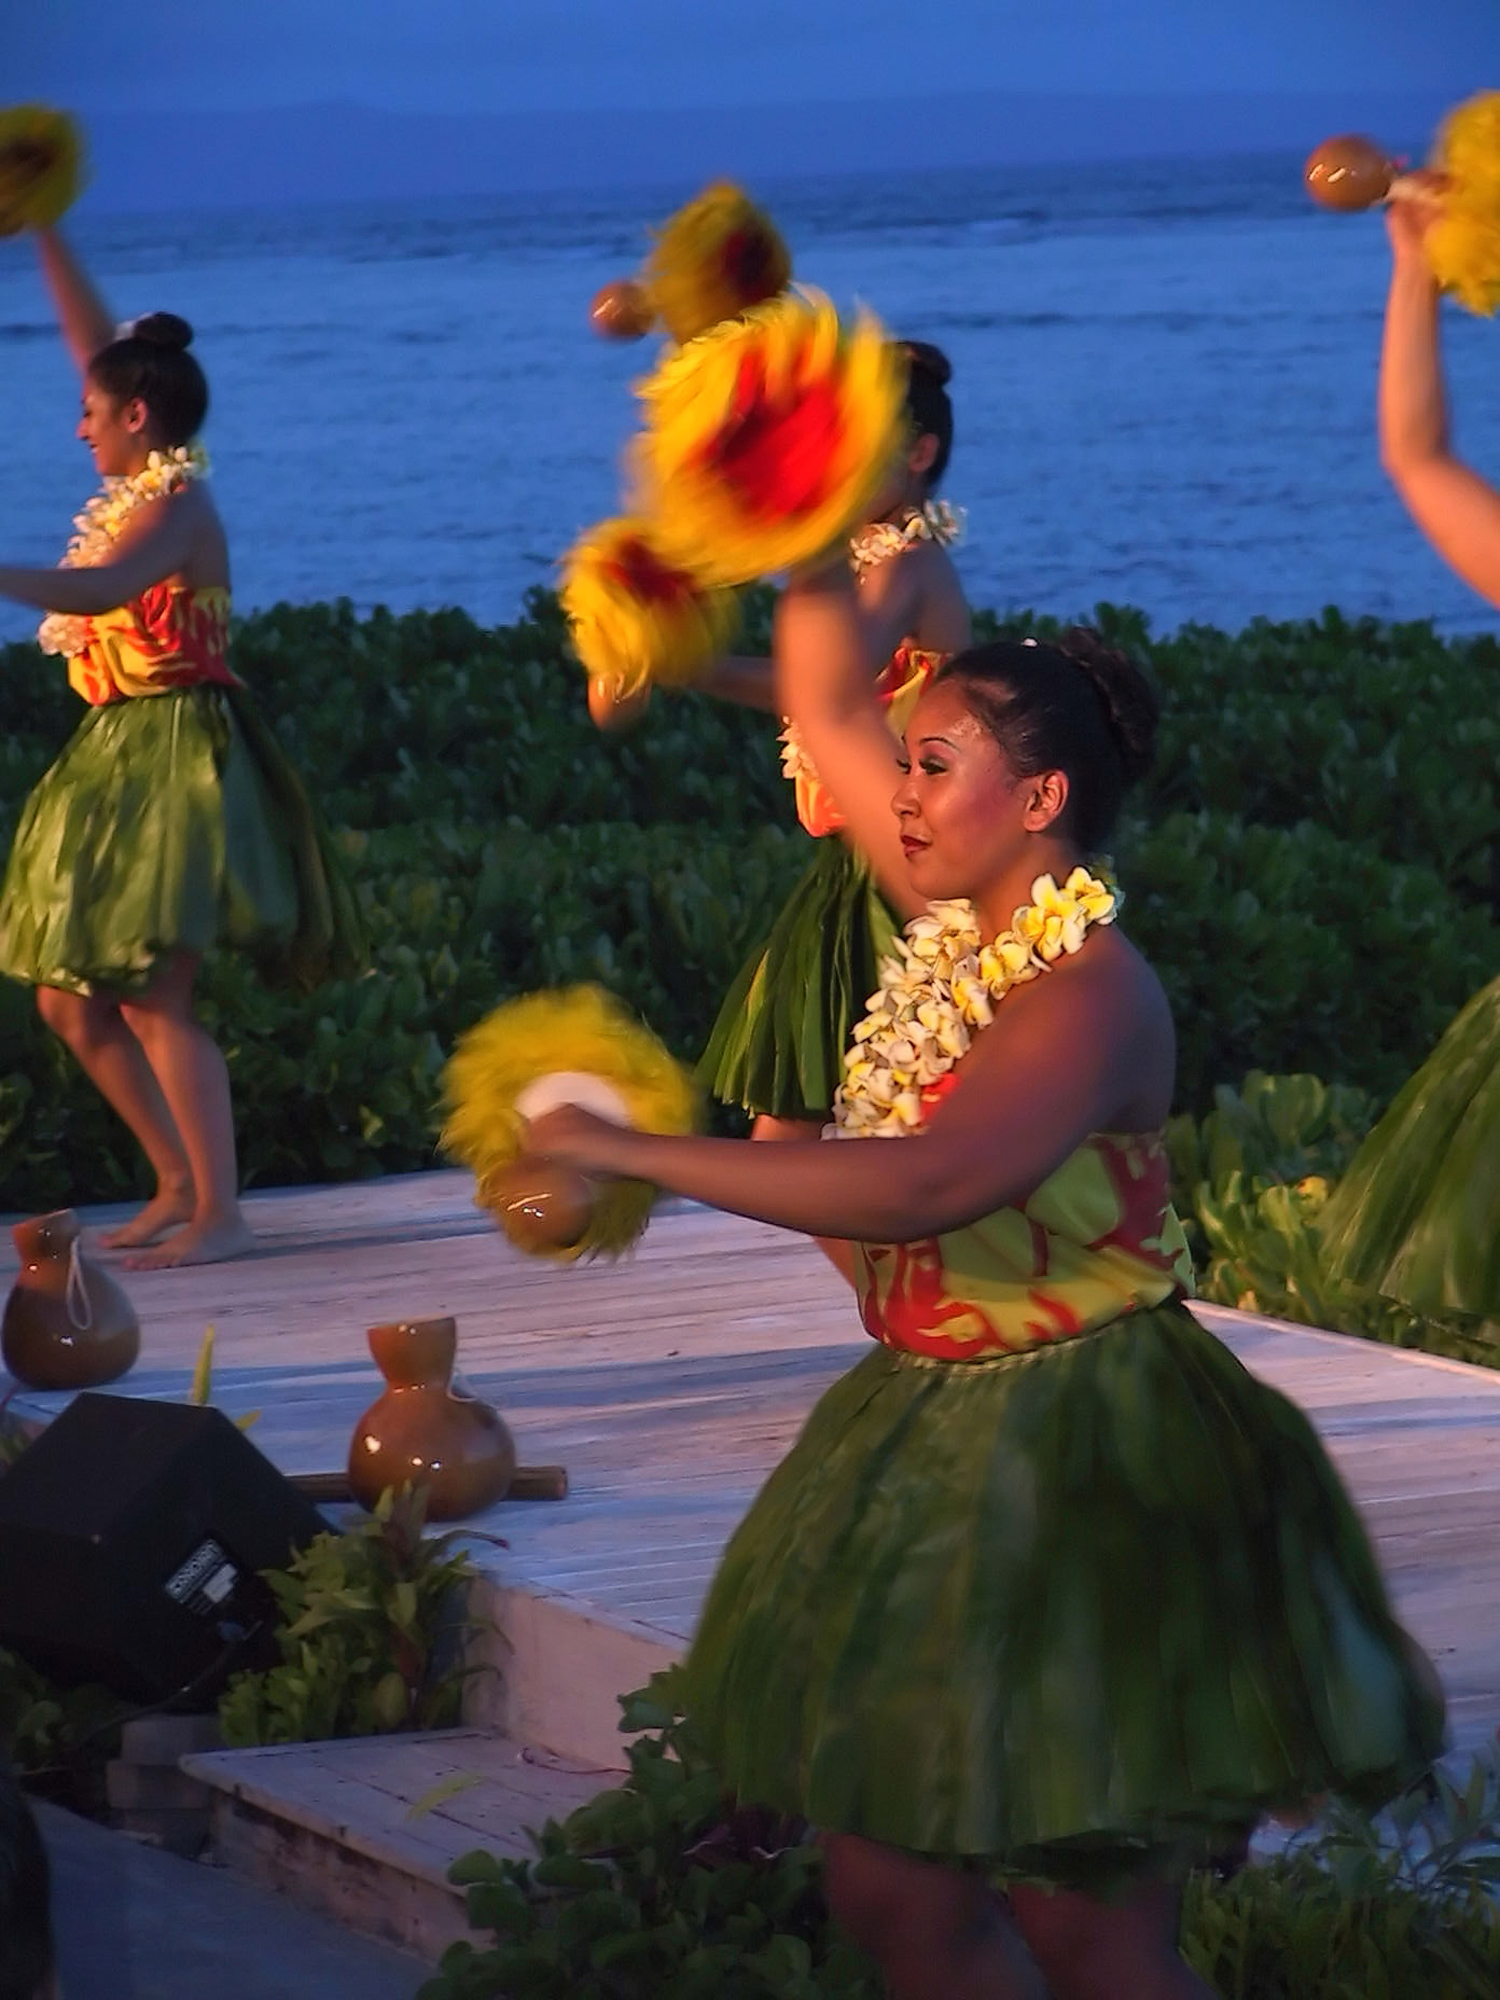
pixel 670 1382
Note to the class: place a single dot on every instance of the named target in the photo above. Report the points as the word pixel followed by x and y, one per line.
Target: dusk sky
pixel 494 55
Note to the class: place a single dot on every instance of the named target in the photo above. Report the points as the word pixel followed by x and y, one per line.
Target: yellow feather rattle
pixel 765 440
pixel 575 1046
pixel 636 621
pixel 711 261
pixel 41 167
pixel 1463 246
pixel 768 430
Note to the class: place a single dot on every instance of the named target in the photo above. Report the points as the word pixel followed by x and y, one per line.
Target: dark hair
pixel 149 359
pixel 929 371
pixel 26 1952
pixel 1070 704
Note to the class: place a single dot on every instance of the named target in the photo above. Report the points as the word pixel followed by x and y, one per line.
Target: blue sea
pixel 1164 382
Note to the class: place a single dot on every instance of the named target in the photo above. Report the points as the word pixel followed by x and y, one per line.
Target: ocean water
pixel 1164 384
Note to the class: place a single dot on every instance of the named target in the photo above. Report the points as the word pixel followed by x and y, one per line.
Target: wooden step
pixel 365 1830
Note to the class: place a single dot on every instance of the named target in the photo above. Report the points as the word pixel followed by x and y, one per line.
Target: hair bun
pixel 1131 704
pixel 929 360
pixel 162 329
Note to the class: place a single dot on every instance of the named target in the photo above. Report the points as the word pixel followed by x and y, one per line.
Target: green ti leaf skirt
pixel 1417 1216
pixel 778 1044
pixel 173 822
pixel 1075 1615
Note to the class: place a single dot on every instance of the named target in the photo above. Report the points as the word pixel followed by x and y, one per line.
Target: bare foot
pixel 212 1241
pixel 166 1208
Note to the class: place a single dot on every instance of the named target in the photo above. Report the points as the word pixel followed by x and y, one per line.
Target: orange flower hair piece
pixel 713 260
pixel 41 167
pixel 637 620
pixel 767 438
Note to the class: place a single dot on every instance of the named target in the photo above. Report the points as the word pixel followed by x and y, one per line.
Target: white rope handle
pixel 79 1289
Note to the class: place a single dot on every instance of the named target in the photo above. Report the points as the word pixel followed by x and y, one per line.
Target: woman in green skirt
pixel 1051 1600
pixel 1417 1217
pixel 172 820
pixel 779 1039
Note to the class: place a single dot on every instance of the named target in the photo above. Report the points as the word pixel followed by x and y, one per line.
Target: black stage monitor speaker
pixel 131 1537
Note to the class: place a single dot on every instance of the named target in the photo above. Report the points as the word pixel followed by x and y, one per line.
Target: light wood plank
pixel 670 1382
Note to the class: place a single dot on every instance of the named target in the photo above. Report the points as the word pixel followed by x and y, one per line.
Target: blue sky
pixel 496 55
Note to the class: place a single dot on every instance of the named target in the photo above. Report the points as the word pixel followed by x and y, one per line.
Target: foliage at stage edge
pixel 1251 1181
pixel 59 1739
pixel 371 1631
pixel 657 1889
pixel 1300 922
pixel 661 1890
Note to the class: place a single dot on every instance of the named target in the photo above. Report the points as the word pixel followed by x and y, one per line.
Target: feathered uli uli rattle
pixel 41 166
pixel 768 428
pixel 577 1046
pixel 1463 245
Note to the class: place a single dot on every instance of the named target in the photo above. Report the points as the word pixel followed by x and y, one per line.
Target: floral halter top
pixel 169 637
pixel 1097 1240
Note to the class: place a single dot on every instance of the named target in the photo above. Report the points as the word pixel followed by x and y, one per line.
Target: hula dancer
pixel 777 1045
pixel 172 820
pixel 1417 1217
pixel 1052 1600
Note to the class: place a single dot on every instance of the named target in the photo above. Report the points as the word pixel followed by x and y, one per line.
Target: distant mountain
pixel 346 152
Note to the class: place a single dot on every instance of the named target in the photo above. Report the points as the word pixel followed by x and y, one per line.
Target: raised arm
pixel 87 323
pixel 1457 510
pixel 749 682
pixel 825 683
pixel 161 543
pixel 890 604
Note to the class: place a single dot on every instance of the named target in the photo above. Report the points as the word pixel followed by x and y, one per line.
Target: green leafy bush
pixel 662 1890
pixel 1383 734
pixel 657 1891
pixel 1251 1181
pixel 1403 1908
pixel 59 1738
pixel 370 1635
pixel 500 843
pixel 1286 948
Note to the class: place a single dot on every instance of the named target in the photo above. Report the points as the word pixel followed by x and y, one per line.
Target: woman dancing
pixel 778 1042
pixel 171 820
pixel 1417 1217
pixel 1052 1599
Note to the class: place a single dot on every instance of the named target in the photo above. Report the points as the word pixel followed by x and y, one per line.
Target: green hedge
pixel 663 1890
pixel 1310 869
pixel 1251 1181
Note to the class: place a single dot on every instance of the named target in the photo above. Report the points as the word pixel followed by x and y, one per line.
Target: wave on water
pixel 1164 384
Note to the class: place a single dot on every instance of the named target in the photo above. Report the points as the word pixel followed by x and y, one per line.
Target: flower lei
pixel 942 987
pixel 876 543
pixel 99 526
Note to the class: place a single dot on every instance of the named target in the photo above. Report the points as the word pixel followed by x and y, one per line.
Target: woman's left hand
pixel 580 1139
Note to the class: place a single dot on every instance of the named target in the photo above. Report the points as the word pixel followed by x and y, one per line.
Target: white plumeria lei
pixel 99 526
pixel 876 543
pixel 942 987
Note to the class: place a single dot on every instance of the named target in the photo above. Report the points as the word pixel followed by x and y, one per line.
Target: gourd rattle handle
pixel 623 310
pixel 542 1205
pixel 1352 173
